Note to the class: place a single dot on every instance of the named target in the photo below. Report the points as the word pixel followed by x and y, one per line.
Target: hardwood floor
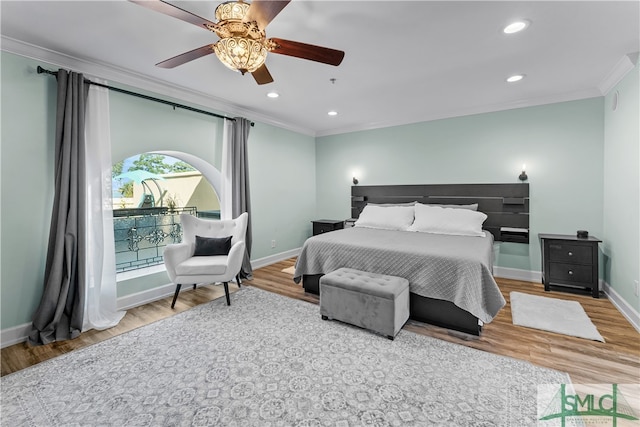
pixel 587 362
pixel 20 356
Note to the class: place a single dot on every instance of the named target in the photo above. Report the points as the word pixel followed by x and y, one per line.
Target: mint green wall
pixel 282 180
pixel 281 172
pixel 561 144
pixel 622 188
pixel 26 181
pixel 139 126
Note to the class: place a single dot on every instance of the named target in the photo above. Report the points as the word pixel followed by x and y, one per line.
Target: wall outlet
pixel 273 243
pixel 636 288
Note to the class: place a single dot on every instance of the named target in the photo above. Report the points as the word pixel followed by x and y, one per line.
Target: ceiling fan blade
pixel 308 51
pixel 174 11
pixel 186 57
pixel 263 11
pixel 262 75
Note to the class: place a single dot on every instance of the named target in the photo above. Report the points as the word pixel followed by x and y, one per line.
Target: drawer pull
pixel 570 272
pixel 570 253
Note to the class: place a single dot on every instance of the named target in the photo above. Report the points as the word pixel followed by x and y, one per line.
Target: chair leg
pixel 175 296
pixel 226 292
pixel 238 280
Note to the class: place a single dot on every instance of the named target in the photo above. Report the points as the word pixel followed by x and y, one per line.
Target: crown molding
pixel 530 102
pixel 225 107
pixel 617 73
pixel 117 75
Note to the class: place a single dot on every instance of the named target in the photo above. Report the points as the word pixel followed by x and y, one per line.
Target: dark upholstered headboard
pixel 506 205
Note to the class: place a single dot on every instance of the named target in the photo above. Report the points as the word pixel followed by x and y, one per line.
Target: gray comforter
pixel 452 268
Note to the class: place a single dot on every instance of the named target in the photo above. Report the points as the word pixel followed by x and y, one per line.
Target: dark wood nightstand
pixel 570 263
pixel 325 225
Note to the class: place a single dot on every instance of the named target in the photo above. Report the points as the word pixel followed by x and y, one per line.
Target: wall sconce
pixel 355 180
pixel 523 175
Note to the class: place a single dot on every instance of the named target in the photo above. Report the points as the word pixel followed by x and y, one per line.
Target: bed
pixel 450 276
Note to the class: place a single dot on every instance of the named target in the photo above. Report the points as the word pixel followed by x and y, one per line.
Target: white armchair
pixel 185 268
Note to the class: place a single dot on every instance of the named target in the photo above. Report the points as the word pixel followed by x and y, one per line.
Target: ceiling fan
pixel 243 44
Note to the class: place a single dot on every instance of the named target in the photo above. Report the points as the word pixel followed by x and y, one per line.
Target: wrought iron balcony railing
pixel 141 235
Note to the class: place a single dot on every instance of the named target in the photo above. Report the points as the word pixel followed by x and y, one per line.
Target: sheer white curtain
pixel 226 196
pixel 100 305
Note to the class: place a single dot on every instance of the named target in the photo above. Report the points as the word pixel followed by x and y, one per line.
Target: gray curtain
pixel 60 313
pixel 241 202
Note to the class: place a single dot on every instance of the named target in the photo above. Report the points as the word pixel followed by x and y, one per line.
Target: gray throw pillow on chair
pixel 209 246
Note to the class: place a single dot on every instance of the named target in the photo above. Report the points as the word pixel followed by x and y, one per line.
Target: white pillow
pixel 435 219
pixel 386 217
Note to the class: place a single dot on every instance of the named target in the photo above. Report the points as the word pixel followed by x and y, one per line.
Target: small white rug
pixel 290 270
pixel 553 315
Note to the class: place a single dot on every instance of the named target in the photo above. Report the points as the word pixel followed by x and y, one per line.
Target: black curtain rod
pixel 139 95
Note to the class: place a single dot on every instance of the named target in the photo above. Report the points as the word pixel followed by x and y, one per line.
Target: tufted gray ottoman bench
pixel 373 301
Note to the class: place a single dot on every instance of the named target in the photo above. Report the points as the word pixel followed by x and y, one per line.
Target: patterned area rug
pixel 268 360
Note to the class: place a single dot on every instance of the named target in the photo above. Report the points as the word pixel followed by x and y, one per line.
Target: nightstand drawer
pixel 325 225
pixel 566 252
pixel 570 273
pixel 322 228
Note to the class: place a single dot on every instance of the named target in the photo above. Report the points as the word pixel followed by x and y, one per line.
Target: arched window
pixel 150 191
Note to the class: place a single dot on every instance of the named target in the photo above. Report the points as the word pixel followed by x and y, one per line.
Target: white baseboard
pixel 150 295
pixel 15 335
pixel 18 334
pixel 272 259
pixel 623 306
pixel 140 298
pixel 517 274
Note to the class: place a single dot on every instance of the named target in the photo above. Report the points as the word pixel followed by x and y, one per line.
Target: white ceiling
pixel 405 62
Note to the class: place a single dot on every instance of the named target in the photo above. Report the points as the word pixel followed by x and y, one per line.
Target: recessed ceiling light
pixel 515 78
pixel 273 94
pixel 516 27
pixel 332 113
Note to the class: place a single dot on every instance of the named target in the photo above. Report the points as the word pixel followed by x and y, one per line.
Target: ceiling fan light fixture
pixel 240 53
pixel 231 10
pixel 243 45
